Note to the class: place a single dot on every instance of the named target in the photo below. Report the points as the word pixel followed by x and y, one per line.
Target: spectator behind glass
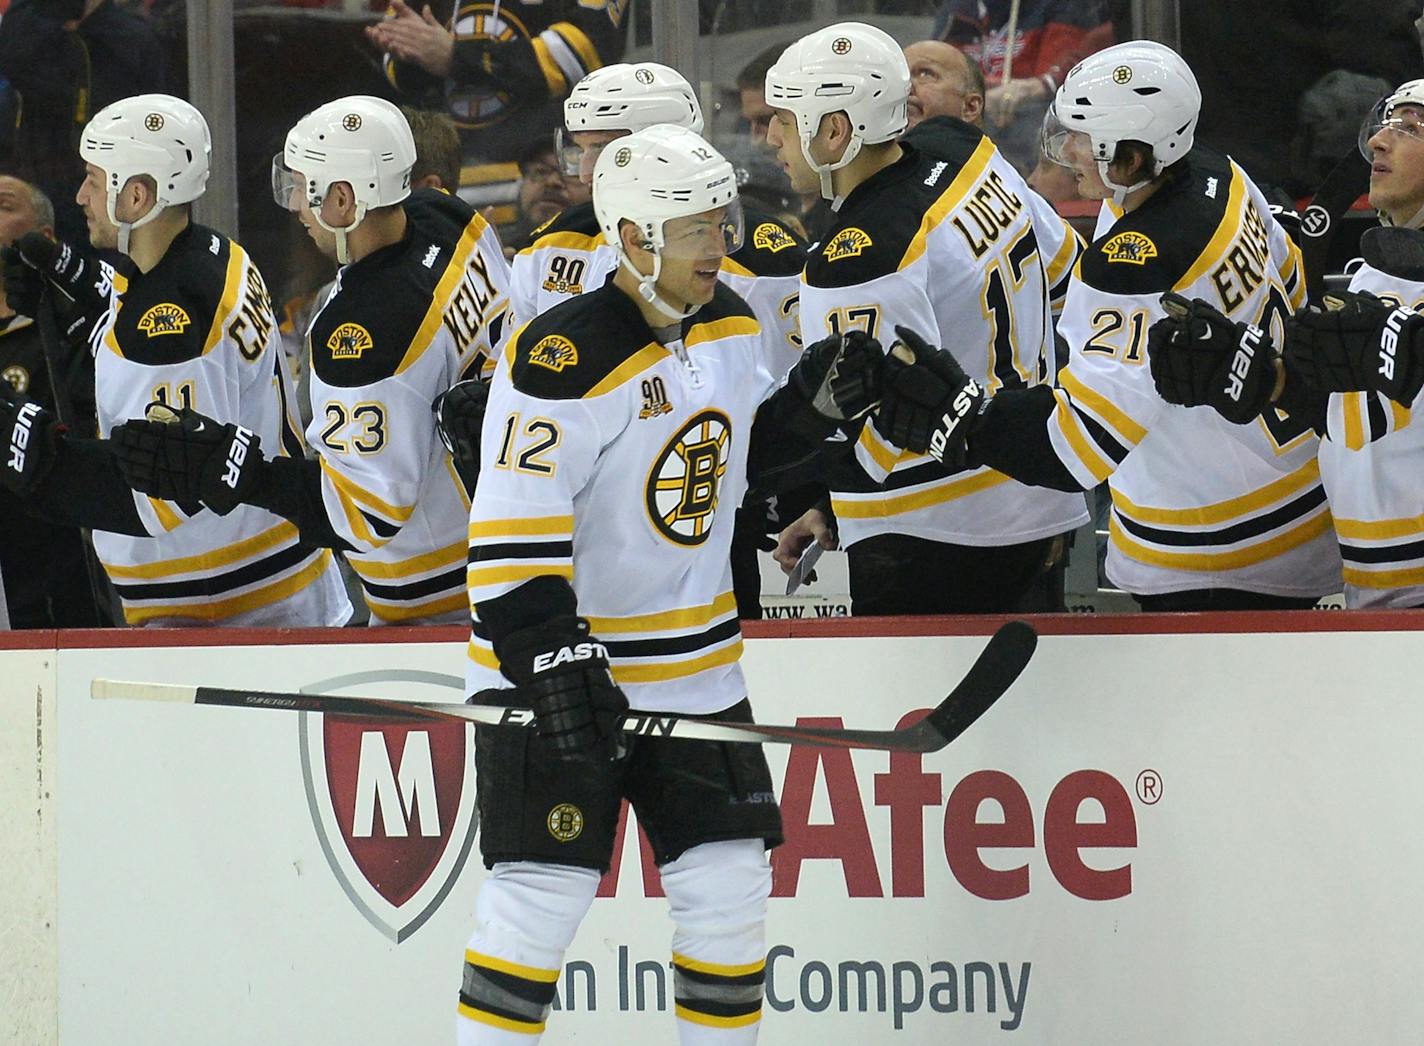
pixel 944 82
pixel 42 564
pixel 544 191
pixel 1036 52
pixel 66 60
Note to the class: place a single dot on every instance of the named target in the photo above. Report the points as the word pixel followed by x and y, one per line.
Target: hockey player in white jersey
pixel 1353 371
pixel 189 323
pixel 419 302
pixel 938 236
pixel 622 429
pixel 1206 514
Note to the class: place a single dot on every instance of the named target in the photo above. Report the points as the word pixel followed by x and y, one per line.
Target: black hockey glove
pixel 459 414
pixel 1359 343
pixel 929 403
pixel 564 673
pixel 30 434
pixel 839 376
pixel 189 458
pixel 1200 357
pixel 34 260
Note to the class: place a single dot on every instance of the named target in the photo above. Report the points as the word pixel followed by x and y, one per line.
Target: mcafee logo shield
pixel 394 806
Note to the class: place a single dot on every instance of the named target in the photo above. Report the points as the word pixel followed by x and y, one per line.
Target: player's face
pixel 1077 156
pixel 92 197
pixel 783 136
pixel 1397 165
pixel 756 113
pixel 591 144
pixel 692 252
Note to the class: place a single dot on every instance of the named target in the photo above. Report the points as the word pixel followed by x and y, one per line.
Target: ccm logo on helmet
pixel 568 654
pixel 1241 362
pixel 236 455
pixel 1389 340
pixel 20 435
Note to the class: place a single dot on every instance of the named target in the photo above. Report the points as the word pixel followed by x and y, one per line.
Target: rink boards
pixel 1179 832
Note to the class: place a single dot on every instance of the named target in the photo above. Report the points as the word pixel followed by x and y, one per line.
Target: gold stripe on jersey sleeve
pixel 666 620
pixel 568 240
pixel 1381 579
pixel 1065 254
pixel 736 268
pixel 480 576
pixel 707 1019
pixel 441 557
pixel 232 288
pixel 394 613
pixel 1099 467
pixel 281 534
pixel 522 527
pixel 480 656
pixel 503 1023
pixel 1379 529
pixel 350 491
pixel 1399 413
pixel 1225 232
pixel 936 495
pixel 553 75
pixel 658 673
pixel 449 280
pixel 1223 511
pixel 1108 412
pixel 650 355
pixel 953 194
pixel 121 284
pixel 886 455
pixel 257 598
pixel 1232 560
pixel 167 518
pixel 529 973
pixel 579 41
pixel 1294 270
pixel 1352 407
pixel 727 327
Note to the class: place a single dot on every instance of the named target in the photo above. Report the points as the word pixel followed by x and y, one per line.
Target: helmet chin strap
pixel 1120 192
pixel 111 204
pixel 343 256
pixel 824 170
pixel 1414 222
pixel 647 287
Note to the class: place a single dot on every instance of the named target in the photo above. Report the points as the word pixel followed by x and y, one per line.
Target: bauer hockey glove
pixel 929 403
pixel 189 458
pixel 1200 357
pixel 840 375
pixel 564 674
pixel 459 415
pixel 30 437
pixel 1359 343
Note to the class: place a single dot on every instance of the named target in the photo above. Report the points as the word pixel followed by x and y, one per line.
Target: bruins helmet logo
pixel 841 45
pixel 163 318
pixel 565 822
pixel 1131 248
pixel 686 478
pixel 153 121
pixel 622 157
pixel 348 341
pixel 848 243
pixel 643 76
pixel 554 352
pixel 1122 74
pixel 771 237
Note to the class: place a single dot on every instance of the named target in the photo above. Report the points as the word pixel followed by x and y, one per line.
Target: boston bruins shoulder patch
pixel 848 243
pixel 771 237
pixel 554 352
pixel 1132 248
pixel 164 318
pixel 348 341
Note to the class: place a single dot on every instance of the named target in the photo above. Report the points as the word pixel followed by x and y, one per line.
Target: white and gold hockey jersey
pixel 1372 463
pixel 401 326
pixel 198 331
pixel 1197 501
pixel 567 256
pixel 617 463
pixel 945 243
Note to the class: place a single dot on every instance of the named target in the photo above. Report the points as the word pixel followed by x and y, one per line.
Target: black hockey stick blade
pixel 996 668
pixel 1345 183
pixel 1394 250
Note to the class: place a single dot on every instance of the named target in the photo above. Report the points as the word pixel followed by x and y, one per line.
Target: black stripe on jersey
pixel 728 629
pixel 260 570
pixel 929 472
pixel 522 550
pixel 536 994
pixel 1378 423
pixel 1103 438
pixel 717 1008
pixel 718 979
pixel 381 527
pixel 1382 553
pixel 416 589
pixel 1287 513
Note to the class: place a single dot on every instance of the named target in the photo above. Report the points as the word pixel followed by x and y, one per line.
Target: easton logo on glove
pixel 1389 340
pixel 236 455
pixel 1241 362
pixel 963 404
pixel 568 655
pixel 20 435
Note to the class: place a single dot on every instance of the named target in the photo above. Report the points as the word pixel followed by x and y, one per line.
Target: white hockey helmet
pixel 361 140
pixel 849 67
pixel 1140 91
pixel 156 135
pixel 625 98
pixel 656 175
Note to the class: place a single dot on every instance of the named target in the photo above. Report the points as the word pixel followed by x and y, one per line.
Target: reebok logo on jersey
pixel 163 318
pixel 848 243
pixel 20 435
pixel 1132 248
pixel 568 655
pixel 1241 362
pixel 236 455
pixel 1389 340
pixel 1211 188
pixel 771 237
pixel 554 353
pixel 431 255
pixel 348 341
pixel 935 172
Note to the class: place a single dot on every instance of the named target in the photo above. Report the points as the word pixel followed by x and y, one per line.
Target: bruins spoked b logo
pixel 685 479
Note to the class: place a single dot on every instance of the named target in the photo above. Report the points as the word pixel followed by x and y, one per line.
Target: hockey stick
pixel 1394 250
pixel 1319 222
pixel 993 672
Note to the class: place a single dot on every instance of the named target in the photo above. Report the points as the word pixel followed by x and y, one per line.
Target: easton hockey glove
pixel 189 458
pixel 840 375
pixel 564 673
pixel 1200 357
pixel 929 403
pixel 459 415
pixel 29 436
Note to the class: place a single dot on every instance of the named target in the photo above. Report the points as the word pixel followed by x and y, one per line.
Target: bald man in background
pixel 944 82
